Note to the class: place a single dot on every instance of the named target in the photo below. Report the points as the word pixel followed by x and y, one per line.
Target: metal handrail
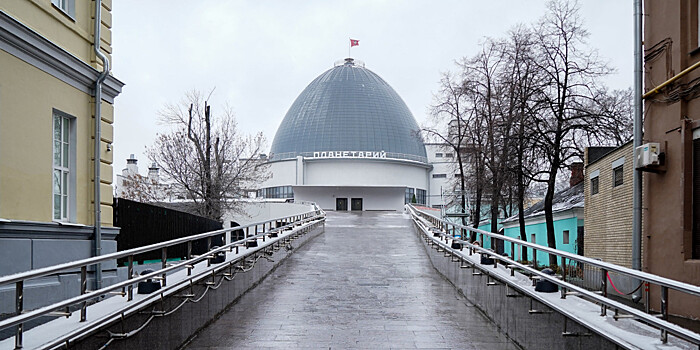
pixel 19 278
pixel 13 321
pixel 662 324
pixel 134 251
pixel 662 281
pixel 654 321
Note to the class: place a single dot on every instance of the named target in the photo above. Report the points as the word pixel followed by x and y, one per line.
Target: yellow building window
pixel 61 167
pixel 66 6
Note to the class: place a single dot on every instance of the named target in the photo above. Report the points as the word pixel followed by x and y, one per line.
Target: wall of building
pixel 260 211
pixel 47 67
pixel 373 198
pixel 441 189
pixel 282 173
pixel 539 229
pixel 608 214
pixel 668 196
pixel 353 172
pixel 31 90
pixel 72 34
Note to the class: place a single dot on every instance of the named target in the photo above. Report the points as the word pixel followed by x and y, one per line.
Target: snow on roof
pixel 562 201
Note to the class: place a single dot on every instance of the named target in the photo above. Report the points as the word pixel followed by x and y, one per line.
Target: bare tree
pixel 530 104
pixel 571 71
pixel 524 83
pixel 477 151
pixel 449 107
pixel 481 79
pixel 206 156
pixel 144 189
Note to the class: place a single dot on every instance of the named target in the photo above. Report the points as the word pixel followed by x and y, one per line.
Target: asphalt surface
pixel 364 283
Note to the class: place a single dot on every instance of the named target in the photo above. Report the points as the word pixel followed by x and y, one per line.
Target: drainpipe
pixel 637 180
pixel 98 136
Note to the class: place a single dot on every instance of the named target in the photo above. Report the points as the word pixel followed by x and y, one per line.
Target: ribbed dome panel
pixel 348 108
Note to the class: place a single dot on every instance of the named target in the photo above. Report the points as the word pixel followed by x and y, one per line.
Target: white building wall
pixel 373 198
pixel 441 189
pixel 261 211
pixel 283 173
pixel 380 182
pixel 438 186
pixel 351 172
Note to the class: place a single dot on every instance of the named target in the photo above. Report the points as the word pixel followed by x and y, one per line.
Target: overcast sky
pixel 259 55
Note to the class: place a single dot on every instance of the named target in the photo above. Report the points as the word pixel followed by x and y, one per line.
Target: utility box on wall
pixel 648 155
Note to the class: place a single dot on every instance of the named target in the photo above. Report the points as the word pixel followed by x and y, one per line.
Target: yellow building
pixel 48 75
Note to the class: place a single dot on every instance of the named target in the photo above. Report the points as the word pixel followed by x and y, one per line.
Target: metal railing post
pixel 19 306
pixel 130 272
pixel 604 290
pixel 83 290
pixel 563 277
pixel 208 249
pixel 664 312
pixel 534 258
pixel 189 257
pixel 163 263
pixel 646 296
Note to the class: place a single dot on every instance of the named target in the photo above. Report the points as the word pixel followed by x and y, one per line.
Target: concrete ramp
pixel 365 283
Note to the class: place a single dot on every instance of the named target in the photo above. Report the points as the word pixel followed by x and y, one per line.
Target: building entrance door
pixel 341 204
pixel 356 204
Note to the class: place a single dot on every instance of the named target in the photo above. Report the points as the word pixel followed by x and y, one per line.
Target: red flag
pixel 354 42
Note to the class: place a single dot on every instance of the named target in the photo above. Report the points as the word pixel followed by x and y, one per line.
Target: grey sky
pixel 261 54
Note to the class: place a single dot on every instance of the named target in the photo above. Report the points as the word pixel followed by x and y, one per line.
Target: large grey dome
pixel 348 108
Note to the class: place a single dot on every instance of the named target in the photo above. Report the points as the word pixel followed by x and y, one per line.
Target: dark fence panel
pixel 143 224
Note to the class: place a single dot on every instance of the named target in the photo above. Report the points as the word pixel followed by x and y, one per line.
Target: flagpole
pixel 349 46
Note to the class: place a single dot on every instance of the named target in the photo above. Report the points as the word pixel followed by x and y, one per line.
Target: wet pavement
pixel 364 283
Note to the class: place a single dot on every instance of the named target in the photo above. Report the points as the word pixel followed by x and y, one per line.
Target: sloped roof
pixel 563 200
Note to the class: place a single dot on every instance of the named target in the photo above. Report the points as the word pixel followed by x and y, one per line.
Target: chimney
pixel 153 172
pixel 576 174
pixel 131 167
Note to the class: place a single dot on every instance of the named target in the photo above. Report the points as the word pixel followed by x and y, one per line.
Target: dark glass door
pixel 341 204
pixel 356 204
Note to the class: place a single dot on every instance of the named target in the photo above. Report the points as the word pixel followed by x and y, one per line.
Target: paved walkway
pixel 364 283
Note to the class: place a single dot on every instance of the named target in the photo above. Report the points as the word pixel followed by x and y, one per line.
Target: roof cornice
pixel 31 47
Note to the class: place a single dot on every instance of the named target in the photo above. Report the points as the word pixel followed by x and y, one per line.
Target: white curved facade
pixel 380 184
pixel 349 142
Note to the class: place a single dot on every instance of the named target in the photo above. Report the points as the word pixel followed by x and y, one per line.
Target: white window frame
pixel 65 6
pixel 65 167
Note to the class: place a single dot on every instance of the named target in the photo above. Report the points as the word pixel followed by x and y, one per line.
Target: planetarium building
pixel 349 142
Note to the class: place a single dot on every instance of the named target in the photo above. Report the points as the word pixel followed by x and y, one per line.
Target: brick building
pixel 608 204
